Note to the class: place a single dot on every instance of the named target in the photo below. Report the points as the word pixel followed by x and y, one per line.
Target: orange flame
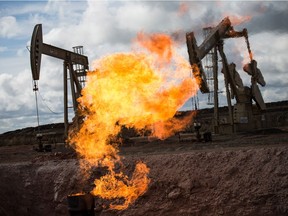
pixel 237 20
pixel 183 8
pixel 167 128
pixel 159 44
pixel 116 186
pixel 251 55
pixel 136 90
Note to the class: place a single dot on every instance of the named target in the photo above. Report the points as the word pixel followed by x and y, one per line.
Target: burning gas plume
pixel 138 89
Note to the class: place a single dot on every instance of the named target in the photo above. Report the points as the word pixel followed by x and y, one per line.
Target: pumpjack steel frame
pixel 215 41
pixel 69 58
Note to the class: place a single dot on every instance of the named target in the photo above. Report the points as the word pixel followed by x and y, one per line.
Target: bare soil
pixel 243 174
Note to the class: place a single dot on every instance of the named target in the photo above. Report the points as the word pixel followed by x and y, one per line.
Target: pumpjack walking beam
pixel 70 58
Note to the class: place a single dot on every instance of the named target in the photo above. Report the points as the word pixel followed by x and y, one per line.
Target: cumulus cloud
pixel 2 48
pixel 13 96
pixel 271 17
pixel 8 27
pixel 104 27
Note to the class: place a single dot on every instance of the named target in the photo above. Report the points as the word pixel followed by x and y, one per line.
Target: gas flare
pixel 183 8
pixel 144 87
pixel 237 20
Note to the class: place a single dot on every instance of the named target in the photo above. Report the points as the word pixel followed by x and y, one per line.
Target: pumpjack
pixel 75 67
pixel 241 114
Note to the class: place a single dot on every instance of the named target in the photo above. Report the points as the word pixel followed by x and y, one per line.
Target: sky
pixel 106 27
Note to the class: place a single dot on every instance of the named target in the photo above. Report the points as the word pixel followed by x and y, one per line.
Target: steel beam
pixel 38 48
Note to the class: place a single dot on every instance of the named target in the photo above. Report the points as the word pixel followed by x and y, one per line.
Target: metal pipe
pixel 72 82
pixel 226 79
pixel 216 102
pixel 81 205
pixel 35 89
pixel 66 123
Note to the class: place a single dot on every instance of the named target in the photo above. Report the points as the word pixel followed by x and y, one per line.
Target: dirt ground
pixel 243 174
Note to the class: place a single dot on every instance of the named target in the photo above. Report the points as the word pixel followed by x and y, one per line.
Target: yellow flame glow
pixel 137 89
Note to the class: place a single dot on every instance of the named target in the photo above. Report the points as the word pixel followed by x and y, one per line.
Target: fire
pixel 183 8
pixel 166 128
pixel 144 87
pixel 159 44
pixel 109 187
pixel 237 20
pixel 250 55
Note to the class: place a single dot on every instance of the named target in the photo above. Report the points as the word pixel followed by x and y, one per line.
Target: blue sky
pixel 105 27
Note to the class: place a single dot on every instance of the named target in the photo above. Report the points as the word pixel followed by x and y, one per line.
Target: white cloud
pixel 137 16
pixel 14 95
pixel 104 27
pixel 8 27
pixel 22 9
pixel 2 48
pixel 271 49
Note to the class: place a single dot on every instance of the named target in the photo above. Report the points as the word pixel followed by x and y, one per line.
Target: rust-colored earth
pixel 243 174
